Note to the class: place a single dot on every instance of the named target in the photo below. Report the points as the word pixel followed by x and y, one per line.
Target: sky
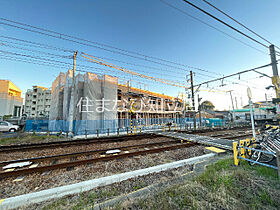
pixel 152 28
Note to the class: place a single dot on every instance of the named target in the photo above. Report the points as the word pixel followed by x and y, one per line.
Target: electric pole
pixel 127 105
pixel 236 103
pixel 185 98
pixel 71 108
pixel 233 114
pixel 275 78
pixel 199 110
pixel 193 103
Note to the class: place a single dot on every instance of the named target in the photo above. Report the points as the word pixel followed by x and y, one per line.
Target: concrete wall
pixel 7 104
pixel 10 97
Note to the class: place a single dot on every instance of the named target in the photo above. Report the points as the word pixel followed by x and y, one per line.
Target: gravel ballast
pixel 37 181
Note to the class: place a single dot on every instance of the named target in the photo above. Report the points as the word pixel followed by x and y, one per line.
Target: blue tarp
pixel 80 127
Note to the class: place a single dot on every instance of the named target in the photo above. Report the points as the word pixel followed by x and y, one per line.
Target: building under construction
pixel 100 103
pixel 148 106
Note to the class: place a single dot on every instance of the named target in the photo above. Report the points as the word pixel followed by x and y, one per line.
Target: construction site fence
pixel 82 127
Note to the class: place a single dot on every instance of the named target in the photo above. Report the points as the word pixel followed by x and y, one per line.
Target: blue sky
pixel 148 27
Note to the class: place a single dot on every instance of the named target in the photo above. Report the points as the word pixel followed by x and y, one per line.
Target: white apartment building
pixel 37 102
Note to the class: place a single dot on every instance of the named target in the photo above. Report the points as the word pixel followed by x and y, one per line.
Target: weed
pixel 222 185
pixel 266 198
pixel 56 205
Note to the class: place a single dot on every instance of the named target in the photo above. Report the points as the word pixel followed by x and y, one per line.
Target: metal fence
pixel 82 127
pixel 243 149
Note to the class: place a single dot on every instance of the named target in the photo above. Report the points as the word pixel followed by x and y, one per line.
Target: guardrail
pixel 244 147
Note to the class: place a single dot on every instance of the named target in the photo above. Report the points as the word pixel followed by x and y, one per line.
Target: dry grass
pixel 221 186
pixel 36 181
pixel 21 138
pixel 101 194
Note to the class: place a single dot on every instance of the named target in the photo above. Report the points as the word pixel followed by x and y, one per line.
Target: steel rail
pixel 94 160
pixel 100 140
pixel 66 155
pixel 23 147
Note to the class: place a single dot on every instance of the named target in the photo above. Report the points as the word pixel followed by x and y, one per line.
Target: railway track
pixel 68 160
pixel 235 133
pixel 40 163
pixel 65 143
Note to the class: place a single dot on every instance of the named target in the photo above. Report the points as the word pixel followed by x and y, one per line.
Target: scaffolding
pixel 95 98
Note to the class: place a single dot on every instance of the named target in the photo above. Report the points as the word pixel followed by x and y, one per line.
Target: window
pixel 119 97
pixel 17 111
pixel 3 124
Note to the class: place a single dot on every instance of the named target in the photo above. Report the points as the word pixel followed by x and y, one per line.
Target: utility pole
pixel 249 93
pixel 127 105
pixel 275 78
pixel 193 103
pixel 199 110
pixel 233 114
pixel 236 103
pixel 71 108
pixel 185 99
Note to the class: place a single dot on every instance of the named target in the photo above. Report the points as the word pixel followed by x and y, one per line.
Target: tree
pixel 207 105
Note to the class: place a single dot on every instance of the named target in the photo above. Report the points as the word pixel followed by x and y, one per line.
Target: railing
pixel 132 130
pixel 95 127
pixel 244 147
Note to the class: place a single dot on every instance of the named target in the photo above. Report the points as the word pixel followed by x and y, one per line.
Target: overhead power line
pixel 181 78
pixel 51 55
pixel 239 23
pixel 41 45
pixel 235 74
pixel 38 58
pixel 3 44
pixel 226 24
pixel 105 63
pixel 211 26
pixel 101 46
pixel 144 66
pixel 44 46
pixel 42 63
pixel 80 69
pixel 31 43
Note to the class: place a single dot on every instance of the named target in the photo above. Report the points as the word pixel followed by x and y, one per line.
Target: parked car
pixel 6 126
